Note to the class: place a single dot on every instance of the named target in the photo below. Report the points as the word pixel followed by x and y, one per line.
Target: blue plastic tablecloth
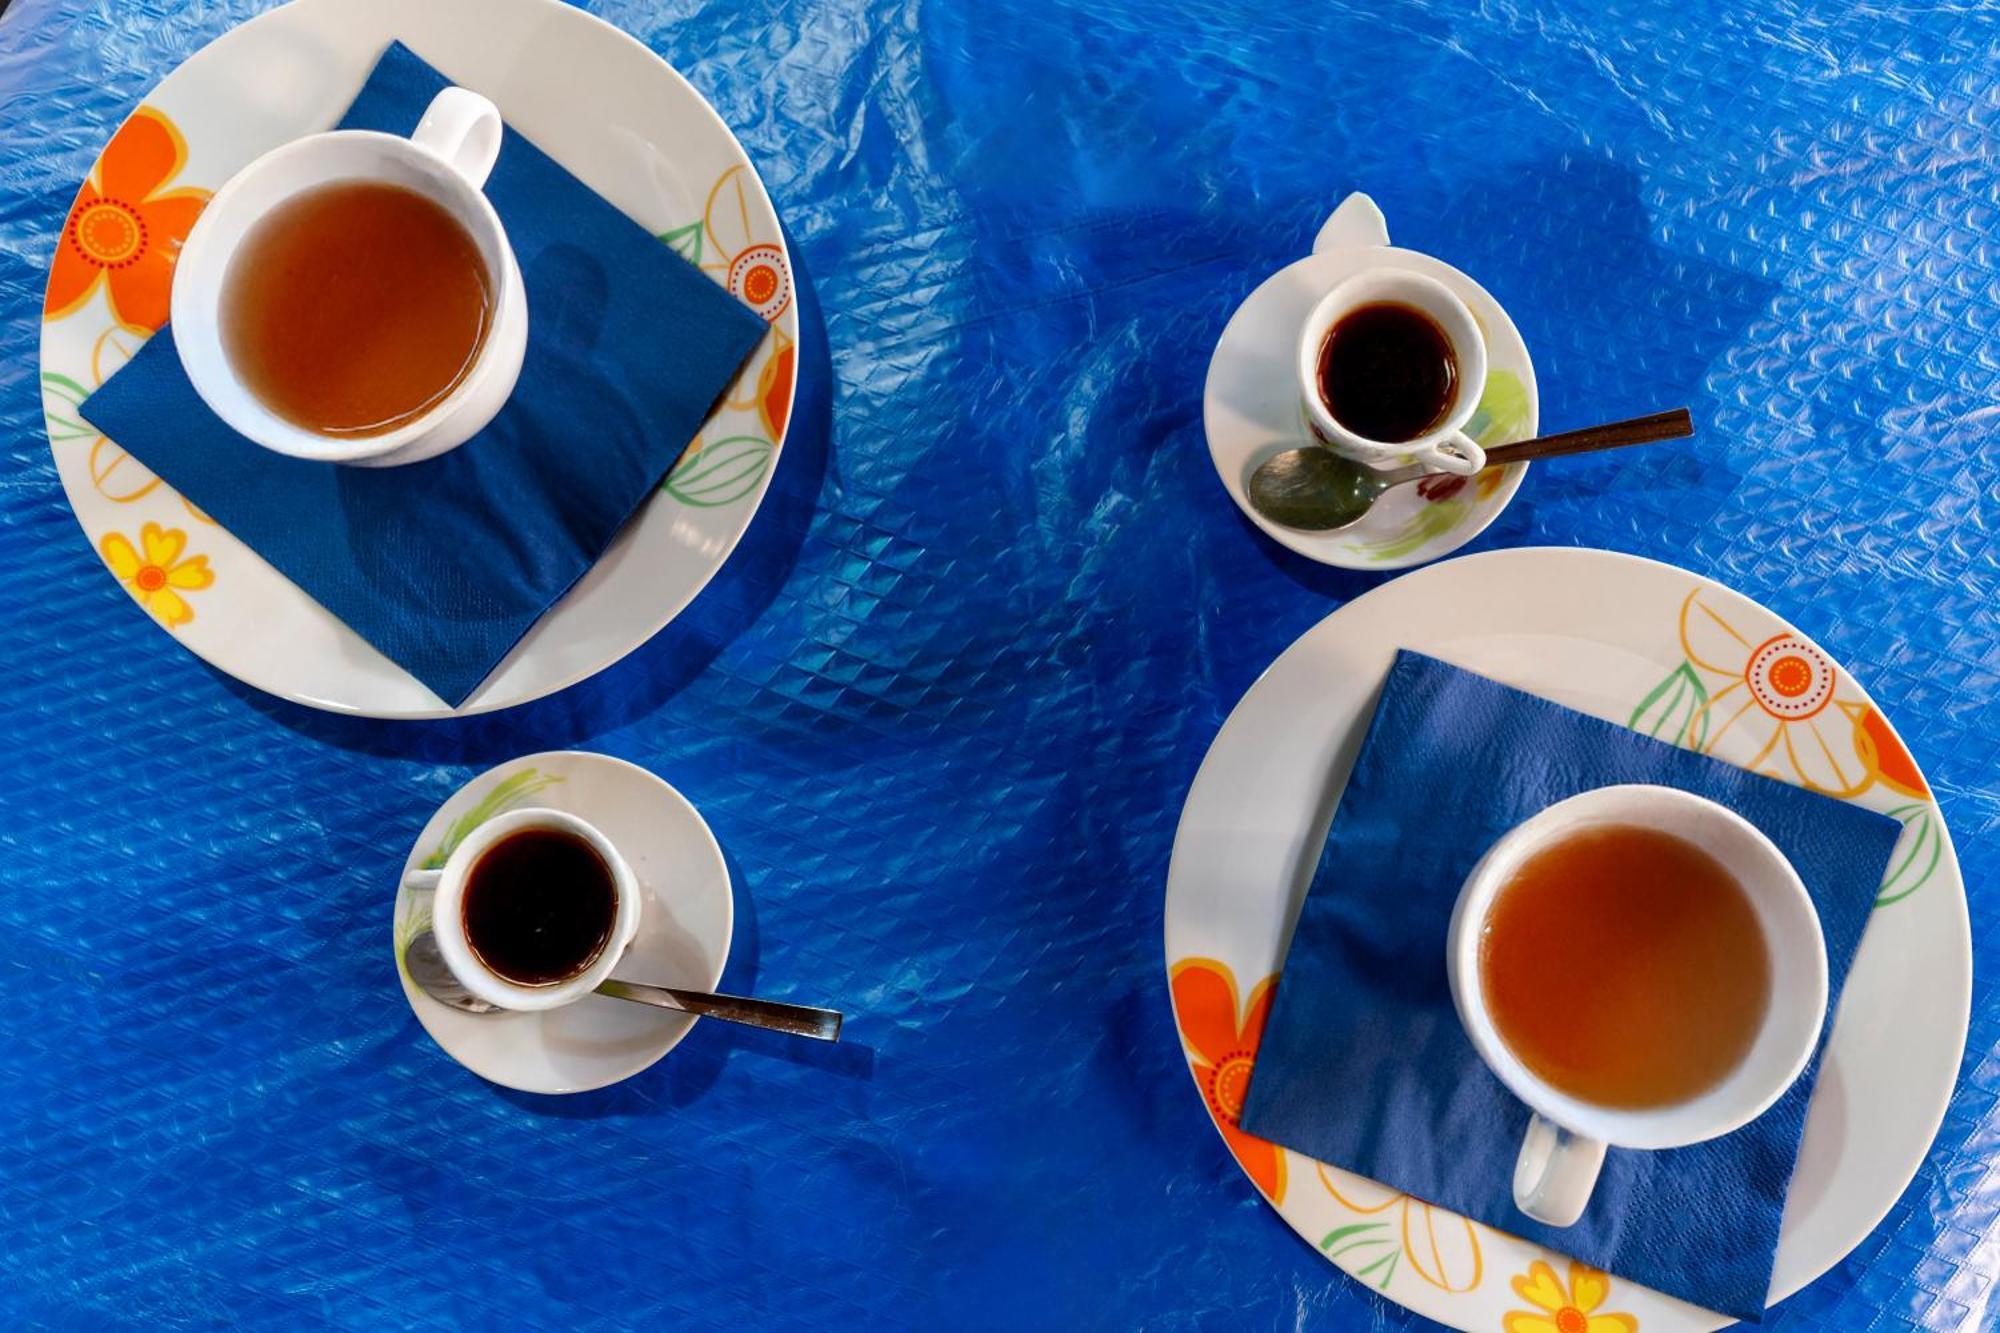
pixel 943 705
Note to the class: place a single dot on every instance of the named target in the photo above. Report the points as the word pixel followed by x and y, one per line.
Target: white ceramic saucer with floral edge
pixel 1667 653
pixel 684 926
pixel 611 112
pixel 1251 408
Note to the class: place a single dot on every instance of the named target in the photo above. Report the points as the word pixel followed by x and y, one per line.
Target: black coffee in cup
pixel 1387 372
pixel 539 906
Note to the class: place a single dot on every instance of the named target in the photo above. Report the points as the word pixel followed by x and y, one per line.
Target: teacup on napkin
pixel 1363 1063
pixel 443 565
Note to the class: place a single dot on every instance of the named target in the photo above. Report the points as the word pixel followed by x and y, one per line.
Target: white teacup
pixel 446 160
pixel 448 912
pixel 1445 445
pixel 1566 1140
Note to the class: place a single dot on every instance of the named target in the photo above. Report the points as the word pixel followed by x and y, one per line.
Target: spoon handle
pixel 1672 425
pixel 798 1019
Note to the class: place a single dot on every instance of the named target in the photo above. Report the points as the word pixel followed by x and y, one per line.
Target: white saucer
pixel 683 937
pixel 1251 407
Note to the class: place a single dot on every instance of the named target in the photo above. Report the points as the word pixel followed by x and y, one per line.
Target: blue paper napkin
pixel 443 565
pixel 1363 1062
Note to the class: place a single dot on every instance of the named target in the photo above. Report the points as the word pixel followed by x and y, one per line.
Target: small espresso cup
pixel 446 159
pixel 1564 1147
pixel 448 912
pixel 1445 445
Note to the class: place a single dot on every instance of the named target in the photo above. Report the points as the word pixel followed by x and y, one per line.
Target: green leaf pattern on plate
pixel 1365 1236
pixel 723 472
pixel 685 241
pixel 407 930
pixel 509 793
pixel 65 422
pixel 1502 414
pixel 1909 869
pixel 1675 702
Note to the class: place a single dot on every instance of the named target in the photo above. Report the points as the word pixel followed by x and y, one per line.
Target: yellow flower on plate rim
pixel 155 573
pixel 1565 1308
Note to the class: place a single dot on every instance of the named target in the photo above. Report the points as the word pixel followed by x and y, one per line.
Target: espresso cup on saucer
pixel 1751 890
pixel 1415 363
pixel 533 909
pixel 446 161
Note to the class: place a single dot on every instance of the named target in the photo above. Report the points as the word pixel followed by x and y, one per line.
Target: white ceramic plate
pixel 606 108
pixel 1251 408
pixel 1648 646
pixel 683 937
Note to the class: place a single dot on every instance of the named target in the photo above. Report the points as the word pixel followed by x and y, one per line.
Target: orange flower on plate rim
pixel 1221 1050
pixel 1565 1307
pixel 755 272
pixel 752 267
pixel 1780 701
pixel 125 229
pixel 155 573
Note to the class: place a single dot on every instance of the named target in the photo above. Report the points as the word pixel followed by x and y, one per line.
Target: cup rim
pixel 1673 1125
pixel 1468 337
pixel 448 921
pixel 195 261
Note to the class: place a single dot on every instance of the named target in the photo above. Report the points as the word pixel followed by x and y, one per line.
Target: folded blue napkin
pixel 1363 1062
pixel 443 565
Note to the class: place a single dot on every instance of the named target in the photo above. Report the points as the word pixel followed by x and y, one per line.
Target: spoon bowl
pixel 1315 489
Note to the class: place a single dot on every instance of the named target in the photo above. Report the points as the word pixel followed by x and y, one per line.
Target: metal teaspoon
pixel 427 968
pixel 1316 490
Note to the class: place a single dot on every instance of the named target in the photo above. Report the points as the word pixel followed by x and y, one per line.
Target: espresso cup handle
pixel 463 128
pixel 1555 1173
pixel 1456 452
pixel 422 879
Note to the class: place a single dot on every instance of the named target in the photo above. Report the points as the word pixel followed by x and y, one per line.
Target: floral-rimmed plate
pixel 1665 652
pixel 602 105
pixel 1251 408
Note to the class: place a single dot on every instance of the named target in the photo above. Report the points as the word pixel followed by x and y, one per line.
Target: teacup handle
pixel 1555 1173
pixel 422 879
pixel 1456 452
pixel 463 128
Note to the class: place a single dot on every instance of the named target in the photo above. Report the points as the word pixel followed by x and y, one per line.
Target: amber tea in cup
pixel 355 307
pixel 1645 969
pixel 1625 966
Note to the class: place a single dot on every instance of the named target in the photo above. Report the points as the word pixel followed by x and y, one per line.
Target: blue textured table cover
pixel 943 705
